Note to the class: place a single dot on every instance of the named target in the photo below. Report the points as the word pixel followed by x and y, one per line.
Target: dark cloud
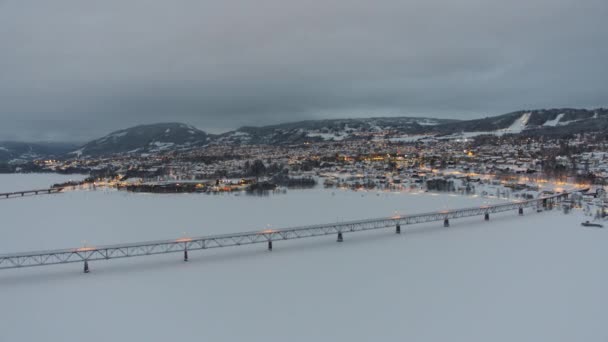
pixel 73 69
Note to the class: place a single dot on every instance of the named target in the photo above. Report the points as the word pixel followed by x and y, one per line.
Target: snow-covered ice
pixel 33 181
pixel 540 277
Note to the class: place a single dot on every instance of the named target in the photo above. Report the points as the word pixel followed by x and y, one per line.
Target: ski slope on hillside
pixel 554 122
pixel 519 125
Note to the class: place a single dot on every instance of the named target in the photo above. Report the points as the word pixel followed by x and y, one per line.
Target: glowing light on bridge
pixel 85 249
pixel 107 252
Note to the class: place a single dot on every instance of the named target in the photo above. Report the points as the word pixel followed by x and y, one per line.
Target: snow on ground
pixel 409 138
pixel 517 126
pixel 554 122
pixel 427 122
pixel 29 181
pixel 326 136
pixel 109 216
pixel 119 134
pixel 161 145
pixel 539 277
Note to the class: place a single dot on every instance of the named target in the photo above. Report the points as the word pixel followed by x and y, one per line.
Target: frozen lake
pixel 33 181
pixel 534 278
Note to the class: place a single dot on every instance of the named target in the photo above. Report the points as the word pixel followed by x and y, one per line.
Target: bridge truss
pixel 30 192
pixel 183 245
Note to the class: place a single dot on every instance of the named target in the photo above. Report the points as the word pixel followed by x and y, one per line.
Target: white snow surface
pixel 33 181
pixel 161 145
pixel 540 277
pixel 554 122
pixel 427 122
pixel 409 138
pixel 326 136
pixel 119 134
pixel 518 125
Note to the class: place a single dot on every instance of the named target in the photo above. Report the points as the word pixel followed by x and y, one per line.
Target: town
pixel 480 164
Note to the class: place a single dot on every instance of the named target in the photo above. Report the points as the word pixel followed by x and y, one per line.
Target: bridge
pixel 184 245
pixel 30 192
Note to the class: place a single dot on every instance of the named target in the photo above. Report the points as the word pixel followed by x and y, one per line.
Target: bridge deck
pixel 183 245
pixel 30 192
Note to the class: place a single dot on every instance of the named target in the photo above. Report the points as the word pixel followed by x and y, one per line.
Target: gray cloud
pixel 72 70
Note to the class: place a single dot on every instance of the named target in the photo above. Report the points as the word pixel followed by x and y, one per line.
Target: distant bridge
pixel 268 236
pixel 30 192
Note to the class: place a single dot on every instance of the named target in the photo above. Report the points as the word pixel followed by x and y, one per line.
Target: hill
pixel 22 151
pixel 145 139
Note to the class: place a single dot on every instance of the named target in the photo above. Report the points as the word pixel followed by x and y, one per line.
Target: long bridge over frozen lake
pixel 30 192
pixel 184 245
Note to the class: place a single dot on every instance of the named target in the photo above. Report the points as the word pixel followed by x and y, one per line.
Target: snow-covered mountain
pixel 544 121
pixel 329 130
pixel 529 122
pixel 11 151
pixel 145 139
pixel 177 136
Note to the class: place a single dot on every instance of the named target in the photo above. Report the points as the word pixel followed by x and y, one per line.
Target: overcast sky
pixel 75 70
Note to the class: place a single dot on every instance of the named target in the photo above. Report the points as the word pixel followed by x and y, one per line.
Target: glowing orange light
pixel 267 231
pixel 183 239
pixel 85 249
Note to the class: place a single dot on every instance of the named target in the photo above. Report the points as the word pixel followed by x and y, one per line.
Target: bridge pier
pixel 39 258
pixel 22 194
pixel 486 216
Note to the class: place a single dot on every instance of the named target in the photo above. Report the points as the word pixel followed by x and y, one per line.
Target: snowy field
pixel 540 277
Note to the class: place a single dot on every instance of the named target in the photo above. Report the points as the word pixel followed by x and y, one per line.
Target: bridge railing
pixel 85 254
pixel 29 192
